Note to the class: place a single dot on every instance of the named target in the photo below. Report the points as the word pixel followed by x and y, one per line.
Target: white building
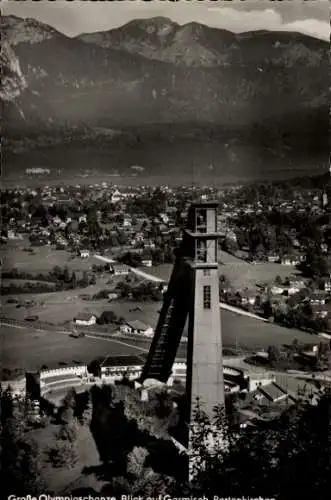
pixel 121 270
pixel 85 319
pixel 116 196
pixel 147 262
pixel 127 222
pixel 137 327
pixel 84 254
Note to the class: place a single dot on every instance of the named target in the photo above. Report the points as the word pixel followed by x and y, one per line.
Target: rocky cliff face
pixel 13 82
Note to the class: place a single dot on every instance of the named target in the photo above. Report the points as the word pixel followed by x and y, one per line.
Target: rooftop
pixel 137 325
pixel 84 316
pixel 273 392
pixel 125 360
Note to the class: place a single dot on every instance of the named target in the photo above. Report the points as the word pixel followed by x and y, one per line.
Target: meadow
pixel 30 349
pixel 41 260
pixel 242 274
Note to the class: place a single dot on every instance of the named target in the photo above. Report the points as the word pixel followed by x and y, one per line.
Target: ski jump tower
pixel 193 295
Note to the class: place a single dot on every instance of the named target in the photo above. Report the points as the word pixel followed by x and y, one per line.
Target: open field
pixel 42 260
pixel 57 307
pixel 29 349
pixel 244 274
pixel 240 273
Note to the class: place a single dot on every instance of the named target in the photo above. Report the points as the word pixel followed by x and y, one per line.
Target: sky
pixel 311 17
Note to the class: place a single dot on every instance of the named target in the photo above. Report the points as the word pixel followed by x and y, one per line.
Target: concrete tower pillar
pixel 204 357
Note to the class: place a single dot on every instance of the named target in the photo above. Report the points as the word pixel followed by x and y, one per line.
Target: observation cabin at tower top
pixel 200 239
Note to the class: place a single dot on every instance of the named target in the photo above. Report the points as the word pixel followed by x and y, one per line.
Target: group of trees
pixel 315 265
pixel 135 289
pixel 321 362
pixel 109 317
pixel 56 280
pixel 265 459
pixel 288 457
pixel 23 458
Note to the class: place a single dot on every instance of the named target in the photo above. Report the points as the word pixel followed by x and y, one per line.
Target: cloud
pixel 268 19
pixel 238 20
pixel 312 27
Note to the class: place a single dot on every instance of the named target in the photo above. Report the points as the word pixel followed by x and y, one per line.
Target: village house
pixel 12 235
pixel 116 196
pixel 248 297
pixel 327 285
pixel 273 258
pixel 164 218
pixel 147 262
pixel 290 290
pixel 82 218
pixel 85 319
pixel 149 244
pixel 298 283
pixel 84 254
pixel 139 237
pixel 137 327
pixel 57 220
pixel 320 311
pixel 317 298
pixel 120 270
pixel 290 261
pixel 127 222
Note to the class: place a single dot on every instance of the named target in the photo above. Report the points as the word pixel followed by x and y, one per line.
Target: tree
pixel 273 354
pixel 68 431
pixel 57 272
pixel 315 264
pixel 66 275
pixel 323 356
pixel 224 282
pixel 267 309
pixel 278 280
pixel 84 281
pixel 290 454
pixel 136 460
pixel 63 454
pixel 87 413
pixel 66 411
pixel 20 469
pixel 73 280
pixel 107 317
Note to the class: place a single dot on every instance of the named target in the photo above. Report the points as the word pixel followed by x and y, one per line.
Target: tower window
pixel 201 220
pixel 201 251
pixel 206 272
pixel 206 297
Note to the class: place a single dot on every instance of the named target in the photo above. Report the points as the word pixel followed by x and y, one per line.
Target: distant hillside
pixel 268 86
pixel 194 44
pixel 170 73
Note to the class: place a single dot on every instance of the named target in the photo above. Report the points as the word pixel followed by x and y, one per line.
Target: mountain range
pixel 156 73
